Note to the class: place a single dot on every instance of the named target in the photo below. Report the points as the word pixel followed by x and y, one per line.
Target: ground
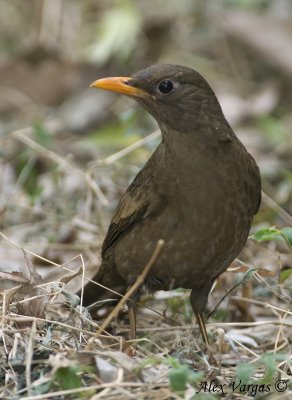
pixel 67 155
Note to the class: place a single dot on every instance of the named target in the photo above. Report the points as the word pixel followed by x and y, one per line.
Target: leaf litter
pixel 50 346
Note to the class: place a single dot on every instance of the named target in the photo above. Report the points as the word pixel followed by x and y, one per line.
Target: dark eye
pixel 165 86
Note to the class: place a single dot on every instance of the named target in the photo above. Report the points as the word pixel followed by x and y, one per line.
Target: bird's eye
pixel 165 86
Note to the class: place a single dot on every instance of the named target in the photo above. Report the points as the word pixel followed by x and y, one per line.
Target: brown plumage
pixel 198 192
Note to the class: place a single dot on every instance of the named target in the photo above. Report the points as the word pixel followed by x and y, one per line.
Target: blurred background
pixel 61 171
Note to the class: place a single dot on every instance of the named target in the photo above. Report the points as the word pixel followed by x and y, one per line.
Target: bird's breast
pixel 204 224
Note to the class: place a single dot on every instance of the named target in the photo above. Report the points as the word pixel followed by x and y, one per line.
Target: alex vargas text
pixel 238 386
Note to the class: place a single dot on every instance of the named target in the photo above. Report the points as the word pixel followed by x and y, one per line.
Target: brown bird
pixel 198 192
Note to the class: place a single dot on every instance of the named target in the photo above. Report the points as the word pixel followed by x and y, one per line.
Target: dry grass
pixel 51 348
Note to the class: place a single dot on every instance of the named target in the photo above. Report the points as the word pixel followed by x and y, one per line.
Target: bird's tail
pixel 106 284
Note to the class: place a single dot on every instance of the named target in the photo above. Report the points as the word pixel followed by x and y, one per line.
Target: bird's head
pixel 178 97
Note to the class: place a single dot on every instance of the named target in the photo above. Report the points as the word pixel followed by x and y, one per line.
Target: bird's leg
pixel 132 319
pixel 202 327
pixel 132 308
pixel 198 301
pixel 203 330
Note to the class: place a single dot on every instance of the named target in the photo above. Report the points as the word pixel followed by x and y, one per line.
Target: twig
pixel 101 394
pixel 122 153
pixel 112 385
pixel 3 322
pixel 279 333
pixel 133 288
pixel 230 291
pixel 243 346
pixel 29 357
pixel 58 266
pixel 259 278
pixel 21 135
pixel 28 251
pixel 274 205
pixel 221 334
pixel 260 303
pixel 217 325
pixel 24 318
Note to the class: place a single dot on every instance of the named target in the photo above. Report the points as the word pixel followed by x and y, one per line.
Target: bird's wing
pixel 256 184
pixel 140 201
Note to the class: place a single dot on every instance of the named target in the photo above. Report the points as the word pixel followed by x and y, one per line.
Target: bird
pixel 198 192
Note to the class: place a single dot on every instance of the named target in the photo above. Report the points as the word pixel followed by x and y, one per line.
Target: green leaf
pixel 272 233
pixel 41 135
pixel 244 372
pixel 287 235
pixel 248 275
pixel 114 136
pixel 274 129
pixel 285 274
pixel 266 234
pixel 117 35
pixel 205 396
pixel 268 360
pixel 42 388
pixel 71 297
pixel 178 378
pixel 67 378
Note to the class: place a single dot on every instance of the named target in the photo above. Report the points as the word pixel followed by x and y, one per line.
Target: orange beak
pixel 118 85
